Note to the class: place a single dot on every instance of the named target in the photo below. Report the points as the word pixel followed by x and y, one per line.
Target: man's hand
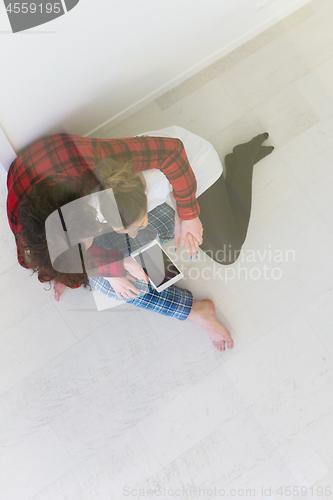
pixel 59 289
pixel 123 287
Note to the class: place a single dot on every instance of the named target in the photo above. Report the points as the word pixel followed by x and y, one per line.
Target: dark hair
pixel 128 189
pixel 43 199
pixel 48 195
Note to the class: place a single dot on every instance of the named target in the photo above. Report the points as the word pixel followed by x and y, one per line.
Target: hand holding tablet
pixel 162 272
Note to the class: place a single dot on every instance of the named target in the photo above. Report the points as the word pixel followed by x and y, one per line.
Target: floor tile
pixel 298 401
pixel 320 435
pixel 303 460
pixel 248 437
pixel 309 156
pixel 228 86
pixel 212 462
pixel 322 5
pixel 20 294
pixel 137 392
pixel 288 286
pixel 137 122
pixel 243 130
pixel 270 478
pixel 278 354
pixel 267 71
pixel 267 36
pixel 203 112
pixel 320 193
pixel 191 84
pixel 114 470
pixel 285 115
pixel 165 327
pixel 32 465
pixel 34 341
pixel 80 313
pixel 319 315
pixel 192 415
pixel 324 487
pixel 313 39
pixel 299 226
pixel 75 378
pixel 317 88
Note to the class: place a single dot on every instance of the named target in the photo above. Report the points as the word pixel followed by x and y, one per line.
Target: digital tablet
pixel 160 269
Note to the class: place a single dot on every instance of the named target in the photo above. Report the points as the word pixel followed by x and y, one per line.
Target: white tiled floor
pixel 97 405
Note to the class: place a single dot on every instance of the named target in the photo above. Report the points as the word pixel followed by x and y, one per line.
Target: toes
pixel 230 344
pixel 219 345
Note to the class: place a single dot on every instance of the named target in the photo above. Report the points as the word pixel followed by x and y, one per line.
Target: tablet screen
pixel 157 265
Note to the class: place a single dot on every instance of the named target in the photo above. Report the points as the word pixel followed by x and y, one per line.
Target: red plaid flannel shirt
pixel 67 156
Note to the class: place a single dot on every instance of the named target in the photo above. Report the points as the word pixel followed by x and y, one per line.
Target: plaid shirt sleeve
pixel 163 153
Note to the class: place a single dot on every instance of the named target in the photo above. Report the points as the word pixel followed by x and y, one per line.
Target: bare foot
pixel 203 314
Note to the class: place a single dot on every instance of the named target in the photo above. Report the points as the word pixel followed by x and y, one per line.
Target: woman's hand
pixel 135 269
pixel 188 233
pixel 59 289
pixel 123 287
pixel 194 227
pixel 192 245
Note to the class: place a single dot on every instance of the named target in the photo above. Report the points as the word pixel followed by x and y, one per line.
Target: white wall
pixel 7 153
pixel 105 59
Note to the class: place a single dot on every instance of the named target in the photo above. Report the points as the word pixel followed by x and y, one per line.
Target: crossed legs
pixel 225 213
pixel 225 207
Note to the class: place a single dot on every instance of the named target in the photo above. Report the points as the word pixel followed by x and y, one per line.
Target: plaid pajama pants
pixel 173 301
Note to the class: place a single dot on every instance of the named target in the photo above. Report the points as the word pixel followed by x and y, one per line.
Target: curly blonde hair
pixel 128 189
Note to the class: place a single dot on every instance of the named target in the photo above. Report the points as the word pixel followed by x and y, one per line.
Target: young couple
pixel 169 183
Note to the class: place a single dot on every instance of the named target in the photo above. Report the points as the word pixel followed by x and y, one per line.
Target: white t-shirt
pixel 158 188
pixel 202 157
